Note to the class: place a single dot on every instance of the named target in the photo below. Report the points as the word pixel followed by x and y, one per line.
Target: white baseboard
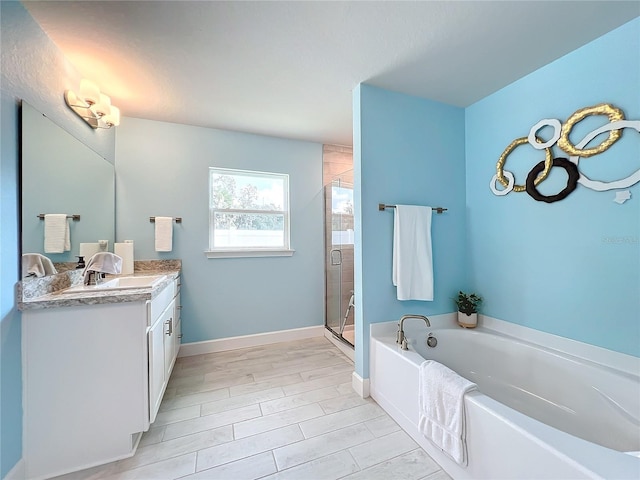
pixel 360 385
pixel 17 472
pixel 245 341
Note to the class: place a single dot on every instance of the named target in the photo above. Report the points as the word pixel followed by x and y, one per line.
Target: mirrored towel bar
pixel 382 206
pixel 75 218
pixel 176 219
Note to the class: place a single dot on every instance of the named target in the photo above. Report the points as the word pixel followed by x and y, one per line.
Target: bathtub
pixel 538 413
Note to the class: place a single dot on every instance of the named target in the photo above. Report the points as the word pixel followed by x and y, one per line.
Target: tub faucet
pixel 400 338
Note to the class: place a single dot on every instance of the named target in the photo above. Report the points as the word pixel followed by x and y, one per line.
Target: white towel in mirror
pixel 35 264
pixel 164 234
pixel 57 238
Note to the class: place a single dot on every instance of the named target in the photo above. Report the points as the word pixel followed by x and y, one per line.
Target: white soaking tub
pixel 538 412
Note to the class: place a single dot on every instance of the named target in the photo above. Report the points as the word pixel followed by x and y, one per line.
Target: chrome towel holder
pixel 382 207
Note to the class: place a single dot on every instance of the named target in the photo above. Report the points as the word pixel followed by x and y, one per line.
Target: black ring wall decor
pixel 572 182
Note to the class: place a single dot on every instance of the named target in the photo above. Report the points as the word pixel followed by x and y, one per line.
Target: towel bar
pixel 177 219
pixel 76 218
pixel 382 206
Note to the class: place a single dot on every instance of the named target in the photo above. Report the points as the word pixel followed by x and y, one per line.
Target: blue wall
pixel 407 150
pixel 162 169
pixel 571 268
pixel 35 70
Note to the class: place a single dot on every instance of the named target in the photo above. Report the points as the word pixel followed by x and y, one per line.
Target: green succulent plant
pixel 467 303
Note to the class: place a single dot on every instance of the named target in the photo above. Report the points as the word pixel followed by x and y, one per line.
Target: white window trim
pixel 249 253
pixel 254 252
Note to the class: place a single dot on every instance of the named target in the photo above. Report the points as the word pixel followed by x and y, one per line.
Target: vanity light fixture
pixel 92 106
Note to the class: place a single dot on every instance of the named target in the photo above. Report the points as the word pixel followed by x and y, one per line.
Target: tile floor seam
pixel 330 453
pixel 417 447
pixel 346 425
pixel 313 460
pixel 278 413
pixel 247 456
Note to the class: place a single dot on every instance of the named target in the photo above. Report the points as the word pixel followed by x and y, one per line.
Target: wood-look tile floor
pixel 282 411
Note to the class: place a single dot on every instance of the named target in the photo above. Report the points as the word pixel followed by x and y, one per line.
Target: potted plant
pixel 467 304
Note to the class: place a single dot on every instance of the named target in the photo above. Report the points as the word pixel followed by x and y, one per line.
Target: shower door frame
pixel 338 311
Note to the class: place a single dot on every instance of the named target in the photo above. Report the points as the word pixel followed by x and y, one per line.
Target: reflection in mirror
pixel 61 175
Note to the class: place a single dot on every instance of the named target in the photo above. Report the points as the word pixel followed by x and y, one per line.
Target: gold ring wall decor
pixel 548 163
pixel 610 111
pixel 560 138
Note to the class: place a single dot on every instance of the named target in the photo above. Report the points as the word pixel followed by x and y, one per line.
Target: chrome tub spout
pixel 400 338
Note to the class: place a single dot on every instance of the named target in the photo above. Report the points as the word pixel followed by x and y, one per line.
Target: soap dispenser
pixel 80 262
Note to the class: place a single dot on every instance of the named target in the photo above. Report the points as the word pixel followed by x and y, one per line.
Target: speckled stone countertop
pixel 50 292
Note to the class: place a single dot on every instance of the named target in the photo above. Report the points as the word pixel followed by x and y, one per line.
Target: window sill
pixel 249 253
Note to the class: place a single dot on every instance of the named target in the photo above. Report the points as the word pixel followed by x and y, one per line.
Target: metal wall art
pixel 560 138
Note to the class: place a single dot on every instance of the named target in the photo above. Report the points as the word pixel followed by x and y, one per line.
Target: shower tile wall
pixel 337 162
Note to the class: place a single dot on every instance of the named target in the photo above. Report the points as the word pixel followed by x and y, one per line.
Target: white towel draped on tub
pixel 57 238
pixel 164 234
pixel 412 261
pixel 442 415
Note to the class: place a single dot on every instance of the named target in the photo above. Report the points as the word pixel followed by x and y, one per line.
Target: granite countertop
pixel 50 292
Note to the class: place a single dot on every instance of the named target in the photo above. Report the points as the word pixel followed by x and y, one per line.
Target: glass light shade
pixel 89 92
pixel 103 107
pixel 113 118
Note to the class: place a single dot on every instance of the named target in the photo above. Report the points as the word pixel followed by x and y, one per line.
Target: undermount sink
pixel 120 283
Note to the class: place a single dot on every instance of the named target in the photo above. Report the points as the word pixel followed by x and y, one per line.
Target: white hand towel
pixel 442 412
pixel 57 238
pixel 37 264
pixel 164 234
pixel 412 257
pixel 103 262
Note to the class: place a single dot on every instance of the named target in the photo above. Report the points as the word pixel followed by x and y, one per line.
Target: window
pixel 248 213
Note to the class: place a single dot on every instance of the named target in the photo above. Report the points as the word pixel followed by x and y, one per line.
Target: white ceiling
pixel 288 68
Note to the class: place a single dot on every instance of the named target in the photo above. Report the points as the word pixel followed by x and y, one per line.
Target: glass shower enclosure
pixel 339 238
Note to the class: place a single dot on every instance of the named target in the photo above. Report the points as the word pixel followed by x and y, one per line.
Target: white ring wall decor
pixel 511 179
pixel 598 185
pixel 547 122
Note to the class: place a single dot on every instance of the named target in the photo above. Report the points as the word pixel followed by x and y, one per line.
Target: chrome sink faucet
pixel 400 338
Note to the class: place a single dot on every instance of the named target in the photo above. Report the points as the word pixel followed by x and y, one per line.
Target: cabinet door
pixel 157 381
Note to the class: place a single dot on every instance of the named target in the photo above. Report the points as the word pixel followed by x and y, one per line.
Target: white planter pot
pixel 467 321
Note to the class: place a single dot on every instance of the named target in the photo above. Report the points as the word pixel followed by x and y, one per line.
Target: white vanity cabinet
pixel 164 343
pixel 93 379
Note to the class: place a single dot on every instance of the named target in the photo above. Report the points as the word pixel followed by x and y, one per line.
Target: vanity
pixel 96 363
